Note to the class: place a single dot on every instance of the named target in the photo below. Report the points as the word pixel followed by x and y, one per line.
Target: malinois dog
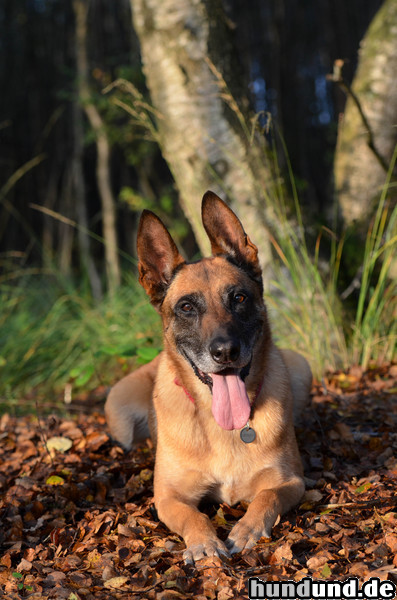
pixel 218 400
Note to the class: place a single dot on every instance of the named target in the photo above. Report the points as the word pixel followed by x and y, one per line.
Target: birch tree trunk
pixel 187 60
pixel 103 154
pixel 359 174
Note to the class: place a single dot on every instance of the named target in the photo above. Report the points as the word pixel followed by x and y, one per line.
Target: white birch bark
pixel 359 176
pixel 201 137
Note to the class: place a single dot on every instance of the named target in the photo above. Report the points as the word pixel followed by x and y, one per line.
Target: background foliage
pixel 332 294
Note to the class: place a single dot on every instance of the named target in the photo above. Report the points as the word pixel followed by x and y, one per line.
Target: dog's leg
pixel 128 404
pixel 275 497
pixel 177 494
pixel 263 512
pixel 193 526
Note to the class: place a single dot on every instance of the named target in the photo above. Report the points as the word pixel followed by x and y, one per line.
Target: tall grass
pixel 51 335
pixel 375 326
pixel 306 306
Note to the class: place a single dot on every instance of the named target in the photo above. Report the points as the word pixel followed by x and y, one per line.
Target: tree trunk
pixel 102 171
pixel 359 174
pixel 187 57
pixel 87 261
pixel 65 232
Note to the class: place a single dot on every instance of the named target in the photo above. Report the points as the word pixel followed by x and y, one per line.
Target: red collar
pixel 178 383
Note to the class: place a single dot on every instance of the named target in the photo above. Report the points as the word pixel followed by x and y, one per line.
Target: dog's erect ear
pixel 158 257
pixel 227 235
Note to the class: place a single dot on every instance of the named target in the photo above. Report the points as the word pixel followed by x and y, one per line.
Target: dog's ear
pixel 227 235
pixel 158 257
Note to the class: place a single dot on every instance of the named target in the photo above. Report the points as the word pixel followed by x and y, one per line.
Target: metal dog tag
pixel 247 434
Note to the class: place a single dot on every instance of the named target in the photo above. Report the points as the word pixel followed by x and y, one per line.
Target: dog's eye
pixel 186 307
pixel 239 298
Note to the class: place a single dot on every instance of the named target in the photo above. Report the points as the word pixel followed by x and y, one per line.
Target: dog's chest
pixel 229 491
pixel 232 480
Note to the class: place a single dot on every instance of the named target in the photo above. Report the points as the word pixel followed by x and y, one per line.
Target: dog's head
pixel 212 310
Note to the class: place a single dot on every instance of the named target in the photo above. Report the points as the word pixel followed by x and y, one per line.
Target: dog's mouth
pixel 208 378
pixel 204 377
pixel 231 406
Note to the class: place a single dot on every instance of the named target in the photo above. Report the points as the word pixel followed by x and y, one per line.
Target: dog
pixel 218 400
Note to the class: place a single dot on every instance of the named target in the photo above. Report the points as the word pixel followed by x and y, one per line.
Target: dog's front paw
pixel 244 536
pixel 209 548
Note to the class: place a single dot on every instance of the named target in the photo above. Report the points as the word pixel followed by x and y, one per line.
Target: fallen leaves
pixel 78 520
pixel 116 582
pixel 283 552
pixel 58 443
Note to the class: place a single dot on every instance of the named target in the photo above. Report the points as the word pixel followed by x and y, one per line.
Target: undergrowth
pixel 52 335
pixel 308 311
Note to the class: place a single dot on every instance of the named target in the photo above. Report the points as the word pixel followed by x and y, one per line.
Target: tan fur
pixel 127 407
pixel 195 457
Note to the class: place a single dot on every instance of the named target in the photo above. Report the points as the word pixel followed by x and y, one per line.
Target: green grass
pixel 51 335
pixel 304 297
pixel 309 315
pixel 306 306
pixel 305 309
pixel 375 326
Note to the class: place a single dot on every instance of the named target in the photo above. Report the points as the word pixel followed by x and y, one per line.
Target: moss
pixel 381 31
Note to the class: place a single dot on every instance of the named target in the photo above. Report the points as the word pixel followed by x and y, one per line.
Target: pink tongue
pixel 230 403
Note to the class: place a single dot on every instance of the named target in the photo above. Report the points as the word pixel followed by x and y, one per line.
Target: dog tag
pixel 247 434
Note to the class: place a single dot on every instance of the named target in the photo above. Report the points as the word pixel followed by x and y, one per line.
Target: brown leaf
pixel 24 565
pixel 391 541
pixel 133 559
pixel 96 439
pixel 225 593
pixel 359 569
pixel 88 517
pixel 170 595
pixel 322 528
pixel 80 579
pixel 116 583
pixel 317 561
pixel 344 431
pixel 54 578
pixel 310 498
pixel 173 572
pixel 71 561
pixel 283 552
pixel 5 560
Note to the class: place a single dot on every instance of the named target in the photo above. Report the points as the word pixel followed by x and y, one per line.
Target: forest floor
pixel 77 520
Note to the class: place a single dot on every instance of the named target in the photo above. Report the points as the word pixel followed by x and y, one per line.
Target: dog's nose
pixel 225 350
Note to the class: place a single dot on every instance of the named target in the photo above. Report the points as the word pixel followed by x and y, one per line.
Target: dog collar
pixel 178 383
